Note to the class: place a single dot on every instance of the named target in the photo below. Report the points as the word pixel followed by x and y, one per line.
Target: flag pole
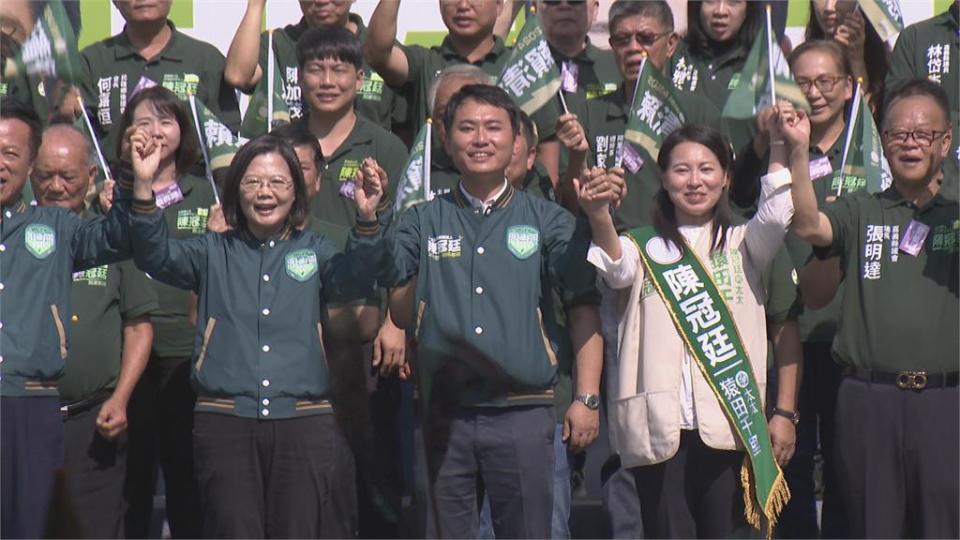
pixel 773 80
pixel 270 81
pixel 851 125
pixel 633 101
pixel 93 139
pixel 427 144
pixel 203 148
pixel 563 102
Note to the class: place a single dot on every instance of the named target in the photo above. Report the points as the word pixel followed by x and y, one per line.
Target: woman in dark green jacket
pixel 270 459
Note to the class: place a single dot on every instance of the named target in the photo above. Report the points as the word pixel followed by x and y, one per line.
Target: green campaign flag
pixel 753 91
pixel 886 18
pixel 50 52
pixel 530 75
pixel 414 185
pixel 219 141
pixel 260 108
pixel 654 113
pixel 863 165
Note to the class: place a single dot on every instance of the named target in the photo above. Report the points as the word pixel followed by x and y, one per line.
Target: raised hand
pixel 793 126
pixel 145 156
pixel 106 195
pixel 571 133
pixel 595 193
pixel 368 190
pixel 215 220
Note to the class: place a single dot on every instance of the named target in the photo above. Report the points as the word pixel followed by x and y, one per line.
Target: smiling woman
pixel 261 288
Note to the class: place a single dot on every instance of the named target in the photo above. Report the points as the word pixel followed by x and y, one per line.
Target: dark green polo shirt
pixel 425 64
pixel 258 345
pixel 485 312
pixel 899 312
pixel 39 250
pixel 172 331
pixel 605 123
pixel 376 101
pixel 929 49
pixel 104 297
pixel 335 202
pixel 112 69
pixel 713 76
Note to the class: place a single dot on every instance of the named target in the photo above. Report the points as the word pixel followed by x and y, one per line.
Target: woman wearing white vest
pixel 685 398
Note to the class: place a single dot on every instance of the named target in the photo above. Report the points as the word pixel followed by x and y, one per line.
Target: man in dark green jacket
pixel 39 249
pixel 111 337
pixel 486 257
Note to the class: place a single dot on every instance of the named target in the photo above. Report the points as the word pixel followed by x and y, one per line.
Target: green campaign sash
pixel 704 321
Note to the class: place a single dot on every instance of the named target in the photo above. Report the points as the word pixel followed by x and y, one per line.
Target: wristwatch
pixel 789 415
pixel 592 401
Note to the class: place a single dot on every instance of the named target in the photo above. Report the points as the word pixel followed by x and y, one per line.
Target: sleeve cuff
pixel 141 206
pixel 367 228
pixel 774 181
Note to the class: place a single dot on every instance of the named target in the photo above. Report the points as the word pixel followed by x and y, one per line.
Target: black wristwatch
pixel 789 415
pixel 592 401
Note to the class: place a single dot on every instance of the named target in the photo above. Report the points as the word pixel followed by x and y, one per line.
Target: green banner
pixel 220 143
pixel 655 111
pixel 864 165
pixel 414 185
pixel 530 75
pixel 51 50
pixel 886 18
pixel 255 119
pixel 753 92
pixel 705 324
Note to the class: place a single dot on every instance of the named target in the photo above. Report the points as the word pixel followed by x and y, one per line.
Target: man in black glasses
pixel 897 339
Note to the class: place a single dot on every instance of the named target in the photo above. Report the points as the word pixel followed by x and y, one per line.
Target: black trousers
pixel 621 501
pixel 161 433
pixel 31 451
pixel 897 460
pixel 291 478
pixel 694 494
pixel 95 470
pixel 505 452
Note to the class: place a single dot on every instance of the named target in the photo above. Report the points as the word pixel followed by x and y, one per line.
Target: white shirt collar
pixel 483 205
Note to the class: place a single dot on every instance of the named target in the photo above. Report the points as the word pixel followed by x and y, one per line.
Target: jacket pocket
pixel 551 355
pixel 207 334
pixel 61 332
pixel 421 309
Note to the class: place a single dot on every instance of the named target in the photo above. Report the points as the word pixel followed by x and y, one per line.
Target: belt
pixel 905 380
pixel 69 410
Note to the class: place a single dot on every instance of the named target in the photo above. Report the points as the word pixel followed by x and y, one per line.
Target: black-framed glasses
pixel 923 137
pixel 645 39
pixel 824 83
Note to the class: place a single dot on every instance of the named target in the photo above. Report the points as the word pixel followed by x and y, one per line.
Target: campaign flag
pixel 50 52
pixel 530 76
pixel 863 165
pixel 84 125
pixel 267 101
pixel 654 113
pixel 886 18
pixel 219 141
pixel 765 77
pixel 414 185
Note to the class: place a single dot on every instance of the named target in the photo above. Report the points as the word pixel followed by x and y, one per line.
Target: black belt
pixel 905 380
pixel 69 410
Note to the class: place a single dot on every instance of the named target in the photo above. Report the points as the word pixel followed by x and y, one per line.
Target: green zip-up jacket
pixel 485 313
pixel 258 347
pixel 40 248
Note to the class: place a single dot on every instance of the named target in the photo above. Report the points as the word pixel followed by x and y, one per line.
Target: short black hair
pixel 529 130
pixel 264 144
pixel 700 43
pixel 14 109
pixel 482 93
pixel 298 134
pixel 332 42
pixel 654 9
pixel 664 212
pixel 165 103
pixel 919 87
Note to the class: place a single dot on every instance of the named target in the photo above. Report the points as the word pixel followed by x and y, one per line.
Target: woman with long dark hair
pixel 673 409
pixel 845 23
pixel 270 458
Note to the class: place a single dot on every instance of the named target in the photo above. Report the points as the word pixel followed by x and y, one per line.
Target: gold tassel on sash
pixel 779 497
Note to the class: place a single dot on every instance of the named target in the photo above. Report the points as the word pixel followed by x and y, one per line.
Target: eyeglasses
pixel 923 137
pixel 645 39
pixel 824 83
pixel 277 184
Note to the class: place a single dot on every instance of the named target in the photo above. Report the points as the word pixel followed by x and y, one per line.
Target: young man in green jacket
pixel 39 249
pixel 486 257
